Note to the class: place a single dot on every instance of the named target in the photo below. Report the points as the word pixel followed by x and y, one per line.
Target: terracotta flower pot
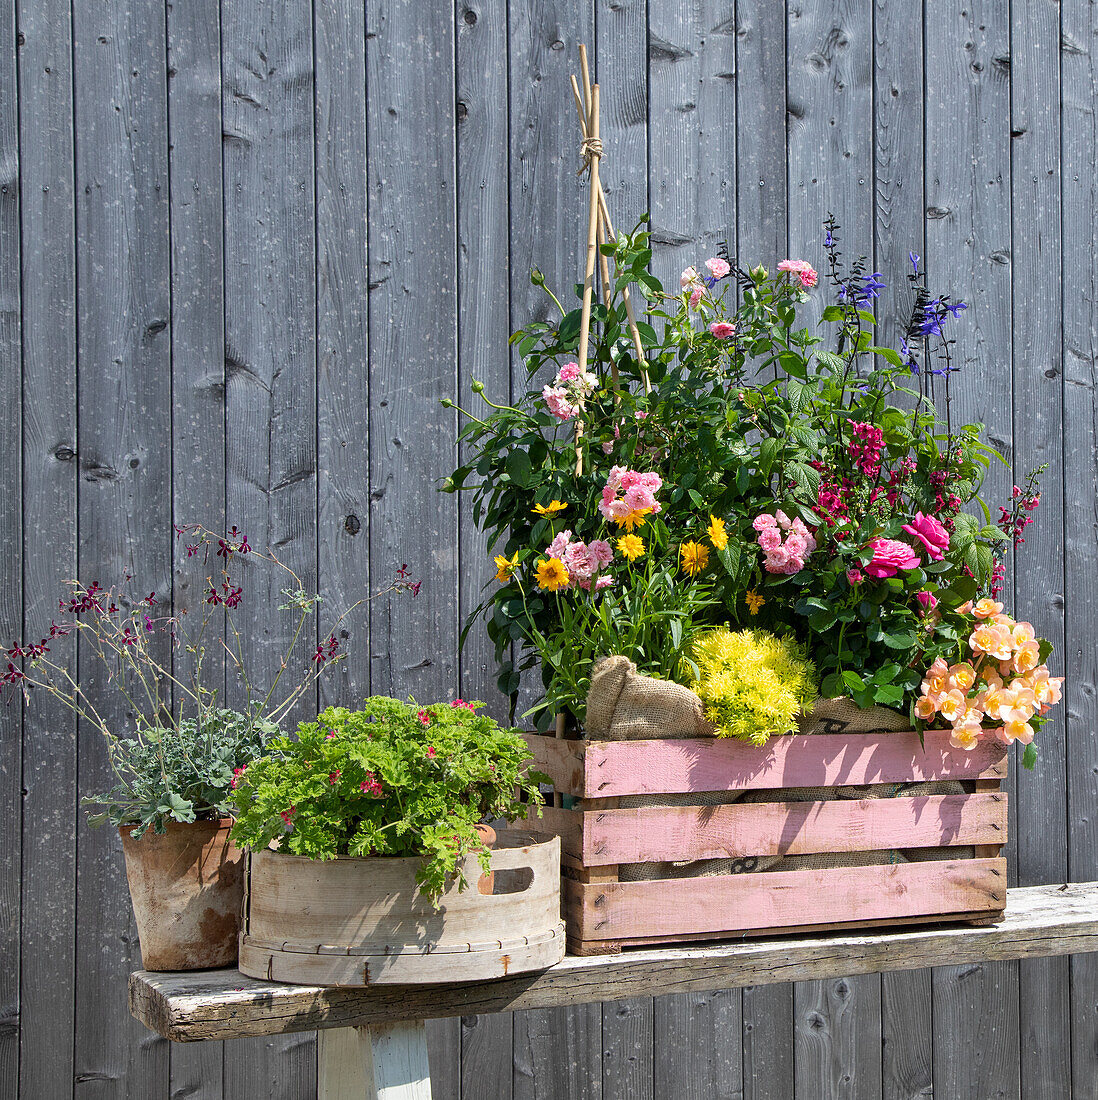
pixel 187 888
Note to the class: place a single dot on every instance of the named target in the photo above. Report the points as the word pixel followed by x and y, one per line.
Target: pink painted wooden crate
pixel 603 914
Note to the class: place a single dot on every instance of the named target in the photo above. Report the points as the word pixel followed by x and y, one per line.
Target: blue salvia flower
pixel 862 288
pixel 914 258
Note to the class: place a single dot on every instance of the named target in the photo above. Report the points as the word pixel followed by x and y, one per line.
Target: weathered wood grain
pixel 1037 392
pixel 629 1046
pixel 483 269
pixel 788 828
pixel 11 553
pixel 342 351
pixel 1079 199
pixel 837 1027
pixel 762 211
pixel 1040 921
pixel 270 366
pixel 692 122
pixel 603 769
pixel 697 1051
pixel 198 344
pixel 969 256
pixel 49 520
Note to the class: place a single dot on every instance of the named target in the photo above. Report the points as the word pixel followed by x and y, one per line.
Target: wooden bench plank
pixel 1040 921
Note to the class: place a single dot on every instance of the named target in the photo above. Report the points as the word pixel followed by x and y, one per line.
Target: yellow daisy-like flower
pixel 552 575
pixel 505 567
pixel 631 547
pixel 753 600
pixel 633 519
pixel 695 557
pixel 550 509
pixel 718 536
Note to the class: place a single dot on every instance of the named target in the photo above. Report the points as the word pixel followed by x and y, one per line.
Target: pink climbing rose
pixel 802 269
pixel 889 557
pixel 930 533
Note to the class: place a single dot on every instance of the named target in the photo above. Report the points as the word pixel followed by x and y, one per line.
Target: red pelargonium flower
pixel 431 752
pixel 424 717
pixel 461 703
pixel 333 777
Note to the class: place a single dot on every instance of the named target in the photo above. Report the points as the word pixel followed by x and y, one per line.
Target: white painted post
pixel 383 1062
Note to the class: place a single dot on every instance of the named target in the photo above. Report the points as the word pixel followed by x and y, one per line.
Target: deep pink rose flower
pixel 927 600
pixel 930 533
pixel 889 557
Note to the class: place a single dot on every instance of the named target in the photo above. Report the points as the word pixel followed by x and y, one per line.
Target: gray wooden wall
pixel 246 245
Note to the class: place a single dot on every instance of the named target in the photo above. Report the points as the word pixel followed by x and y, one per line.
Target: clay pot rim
pixel 220 822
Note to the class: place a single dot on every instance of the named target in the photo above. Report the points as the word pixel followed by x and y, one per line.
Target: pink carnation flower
pixel 889 557
pixel 722 330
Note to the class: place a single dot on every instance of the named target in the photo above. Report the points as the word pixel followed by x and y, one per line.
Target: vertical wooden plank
pixel 343 555
pixel 197 344
pixel 762 208
pixel 762 214
pixel 1079 662
pixel 696 1049
pixel 11 553
pixel 270 367
pixel 621 63
pixel 692 122
pixel 49 520
pixel 830 108
pixel 124 444
pixel 413 322
pixel 830 92
pixel 768 1042
pixel 1041 807
pixel 631 1045
pixel 906 998
pixel 558 1054
pixel 557 1051
pixel 838 1049
pixel 968 254
pixel 487 1042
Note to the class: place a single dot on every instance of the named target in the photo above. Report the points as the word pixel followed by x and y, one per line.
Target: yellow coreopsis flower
pixel 718 536
pixel 505 567
pixel 695 557
pixel 550 509
pixel 635 518
pixel 753 600
pixel 631 547
pixel 552 575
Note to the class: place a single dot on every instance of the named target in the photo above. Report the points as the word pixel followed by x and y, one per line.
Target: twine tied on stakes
pixel 599 231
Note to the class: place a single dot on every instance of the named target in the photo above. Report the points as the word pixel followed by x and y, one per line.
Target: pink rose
pixel 689 277
pixel 783 520
pixel 696 296
pixel 559 545
pixel 930 533
pixel 722 329
pixel 854 576
pixel 802 269
pixel 927 600
pixel 770 538
pixel 777 559
pixel 569 372
pixel 760 523
pixel 601 551
pixel 718 268
pixel 889 557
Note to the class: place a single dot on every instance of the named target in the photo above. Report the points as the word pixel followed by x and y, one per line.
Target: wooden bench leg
pixel 383 1062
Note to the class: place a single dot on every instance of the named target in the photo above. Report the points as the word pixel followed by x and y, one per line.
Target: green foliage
pixel 390 779
pixel 753 684
pixel 180 774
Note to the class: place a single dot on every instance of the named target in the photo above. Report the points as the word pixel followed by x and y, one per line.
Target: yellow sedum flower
pixel 552 575
pixel 505 567
pixel 753 683
pixel 718 535
pixel 550 509
pixel 753 600
pixel 631 547
pixel 695 557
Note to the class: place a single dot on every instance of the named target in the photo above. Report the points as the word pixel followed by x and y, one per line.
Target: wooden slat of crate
pixel 623 911
pixel 643 834
pixel 606 769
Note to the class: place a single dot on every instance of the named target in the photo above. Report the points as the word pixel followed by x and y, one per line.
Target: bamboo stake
pixel 593 150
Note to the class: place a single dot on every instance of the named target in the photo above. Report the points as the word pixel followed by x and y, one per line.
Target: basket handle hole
pixel 511 880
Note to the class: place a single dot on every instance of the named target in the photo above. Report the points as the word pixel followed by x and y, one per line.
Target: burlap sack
pixel 623 705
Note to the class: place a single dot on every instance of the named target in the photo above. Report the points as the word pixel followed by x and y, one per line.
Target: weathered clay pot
pixel 187 888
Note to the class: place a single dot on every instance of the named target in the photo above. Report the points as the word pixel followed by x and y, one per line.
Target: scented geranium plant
pixel 176 758
pixel 391 779
pixel 800 478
